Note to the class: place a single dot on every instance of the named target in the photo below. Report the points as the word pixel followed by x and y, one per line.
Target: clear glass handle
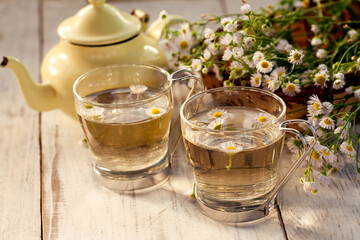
pixel 306 151
pixel 179 76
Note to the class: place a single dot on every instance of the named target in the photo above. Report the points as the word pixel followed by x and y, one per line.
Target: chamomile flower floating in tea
pixel 155 112
pixel 230 148
pixel 216 124
pixel 138 89
pixel 264 119
pixel 218 113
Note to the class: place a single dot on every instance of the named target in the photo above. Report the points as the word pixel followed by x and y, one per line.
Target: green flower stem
pixel 193 193
pixel 346 52
pixel 230 161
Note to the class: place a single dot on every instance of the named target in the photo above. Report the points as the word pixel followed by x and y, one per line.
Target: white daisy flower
pixel 295 57
pixel 226 40
pixel 264 119
pixel 295 146
pixel 245 9
pixel 321 53
pixel 321 177
pixel 273 85
pixel 215 69
pixel 237 52
pixel 185 28
pixel 196 65
pixel 326 108
pixel 321 78
pixel 310 140
pixel 218 113
pixel 265 82
pixel 291 89
pixel 283 46
pixel 230 27
pixel 237 37
pixel 349 90
pixel 310 187
pixel 278 72
pixel 206 55
pixel 323 67
pixel 314 105
pixel 258 57
pixel 343 133
pixel 357 94
pixel 347 149
pixel 217 123
pixel 227 54
pixel 338 84
pixel 184 42
pixel 137 89
pixel 264 66
pixel 353 34
pixel 314 28
pixel 315 159
pixel 248 62
pixel 328 155
pixel 340 75
pixel 155 112
pixel 327 123
pixel 316 41
pixel 249 42
pixel 226 20
pixel 230 148
pixel 255 80
pixel 209 34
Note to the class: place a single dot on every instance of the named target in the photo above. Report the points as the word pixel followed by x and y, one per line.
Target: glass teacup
pixel 234 138
pixel 125 112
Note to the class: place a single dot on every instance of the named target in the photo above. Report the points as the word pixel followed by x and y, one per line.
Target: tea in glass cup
pixel 234 138
pixel 125 112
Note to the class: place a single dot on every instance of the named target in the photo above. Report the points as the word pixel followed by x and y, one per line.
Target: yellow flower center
pixel 315 155
pixel 291 87
pixel 256 80
pixel 325 152
pixel 327 121
pixel 320 79
pixel 316 106
pixel 349 148
pixel 184 44
pixel 280 74
pixel 262 119
pixel 155 111
pixel 217 114
pixel 264 64
pixel 231 148
pixel 88 106
pixel 296 56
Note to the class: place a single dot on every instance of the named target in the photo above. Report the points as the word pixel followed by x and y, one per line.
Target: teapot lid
pixel 99 24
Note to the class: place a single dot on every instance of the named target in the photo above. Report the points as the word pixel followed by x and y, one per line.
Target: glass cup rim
pixel 119 105
pixel 243 88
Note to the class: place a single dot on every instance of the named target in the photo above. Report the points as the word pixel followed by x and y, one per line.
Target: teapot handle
pixel 157 27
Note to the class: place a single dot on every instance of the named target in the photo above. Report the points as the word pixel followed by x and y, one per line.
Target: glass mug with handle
pixel 234 138
pixel 125 112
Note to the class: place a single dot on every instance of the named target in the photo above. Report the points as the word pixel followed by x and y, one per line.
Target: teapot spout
pixel 40 97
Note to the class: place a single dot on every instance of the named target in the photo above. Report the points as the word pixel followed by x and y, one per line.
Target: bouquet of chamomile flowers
pixel 304 51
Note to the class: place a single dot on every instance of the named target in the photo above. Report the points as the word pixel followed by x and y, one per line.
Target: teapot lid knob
pixel 97 3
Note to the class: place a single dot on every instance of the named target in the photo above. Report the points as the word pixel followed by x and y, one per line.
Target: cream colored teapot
pixel 98 35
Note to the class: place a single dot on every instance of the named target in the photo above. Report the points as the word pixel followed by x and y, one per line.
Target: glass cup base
pixel 142 180
pixel 238 215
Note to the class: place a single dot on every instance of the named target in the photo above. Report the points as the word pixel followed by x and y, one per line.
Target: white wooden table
pixel 47 186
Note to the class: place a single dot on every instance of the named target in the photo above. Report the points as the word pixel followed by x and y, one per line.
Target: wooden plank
pixel 332 213
pixel 20 216
pixel 76 206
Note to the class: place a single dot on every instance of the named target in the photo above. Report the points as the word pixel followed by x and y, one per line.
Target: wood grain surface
pixel 48 188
